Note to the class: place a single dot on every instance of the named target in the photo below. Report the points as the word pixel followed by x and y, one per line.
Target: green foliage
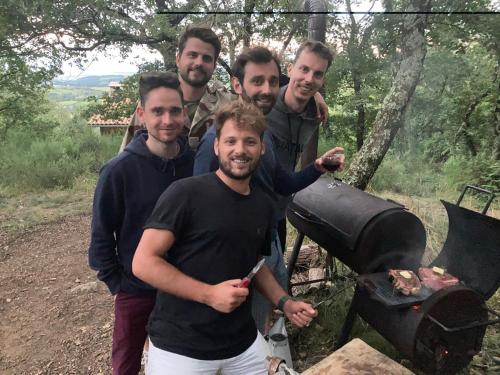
pixel 121 103
pixel 22 95
pixel 459 171
pixel 68 151
pixel 408 174
pixel 414 175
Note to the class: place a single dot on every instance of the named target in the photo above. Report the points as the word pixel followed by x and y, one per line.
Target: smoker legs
pixel 348 324
pixel 293 258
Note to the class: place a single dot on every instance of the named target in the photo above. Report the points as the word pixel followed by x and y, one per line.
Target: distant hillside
pixel 90 81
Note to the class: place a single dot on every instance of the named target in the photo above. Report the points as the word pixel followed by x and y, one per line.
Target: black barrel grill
pixel 439 331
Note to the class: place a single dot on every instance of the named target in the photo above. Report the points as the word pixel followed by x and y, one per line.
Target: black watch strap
pixel 282 301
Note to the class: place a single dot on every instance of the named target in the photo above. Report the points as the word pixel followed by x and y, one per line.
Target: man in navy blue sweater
pixel 127 190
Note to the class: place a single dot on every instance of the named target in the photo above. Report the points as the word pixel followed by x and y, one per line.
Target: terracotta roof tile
pixel 98 120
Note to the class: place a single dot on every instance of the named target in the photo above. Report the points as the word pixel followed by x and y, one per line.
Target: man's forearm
pixel 266 284
pixel 157 272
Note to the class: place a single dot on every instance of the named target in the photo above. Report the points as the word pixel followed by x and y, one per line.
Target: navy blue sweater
pixel 127 190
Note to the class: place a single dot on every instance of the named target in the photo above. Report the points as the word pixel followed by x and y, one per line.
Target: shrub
pixel 72 150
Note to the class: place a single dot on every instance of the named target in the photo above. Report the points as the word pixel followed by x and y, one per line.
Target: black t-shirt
pixel 219 235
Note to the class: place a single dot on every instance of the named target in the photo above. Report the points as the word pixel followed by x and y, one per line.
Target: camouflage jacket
pixel 203 118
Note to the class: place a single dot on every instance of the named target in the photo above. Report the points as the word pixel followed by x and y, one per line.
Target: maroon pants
pixel 129 333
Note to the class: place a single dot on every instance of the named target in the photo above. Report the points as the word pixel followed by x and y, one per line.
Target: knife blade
pixel 248 278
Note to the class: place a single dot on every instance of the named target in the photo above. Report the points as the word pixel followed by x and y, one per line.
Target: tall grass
pixel 54 161
pixel 412 175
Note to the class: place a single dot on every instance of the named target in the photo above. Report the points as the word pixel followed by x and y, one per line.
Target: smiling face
pixel 238 149
pixel 163 115
pixel 196 63
pixel 260 85
pixel 307 75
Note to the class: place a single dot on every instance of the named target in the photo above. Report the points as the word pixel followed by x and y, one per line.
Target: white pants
pixel 251 362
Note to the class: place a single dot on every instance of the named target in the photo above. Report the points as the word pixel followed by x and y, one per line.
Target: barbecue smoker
pixel 439 331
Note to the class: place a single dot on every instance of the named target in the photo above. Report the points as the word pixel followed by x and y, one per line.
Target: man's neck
pixel 293 103
pixel 163 150
pixel 191 93
pixel 240 186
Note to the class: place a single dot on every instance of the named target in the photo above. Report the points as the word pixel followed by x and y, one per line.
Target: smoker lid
pixel 472 249
pixel 332 202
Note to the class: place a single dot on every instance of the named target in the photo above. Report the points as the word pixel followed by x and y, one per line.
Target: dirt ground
pixel 55 317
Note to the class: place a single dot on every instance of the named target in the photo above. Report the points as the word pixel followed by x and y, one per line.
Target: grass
pixel 20 212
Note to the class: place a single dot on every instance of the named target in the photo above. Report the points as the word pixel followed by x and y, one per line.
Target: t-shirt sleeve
pixel 171 211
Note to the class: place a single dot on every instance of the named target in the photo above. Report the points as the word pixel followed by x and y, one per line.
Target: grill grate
pixel 381 289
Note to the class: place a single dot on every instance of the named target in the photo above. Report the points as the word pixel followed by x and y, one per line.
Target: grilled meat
pixel 435 278
pixel 405 282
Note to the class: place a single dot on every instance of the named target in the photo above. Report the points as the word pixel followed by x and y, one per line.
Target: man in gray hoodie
pixel 292 121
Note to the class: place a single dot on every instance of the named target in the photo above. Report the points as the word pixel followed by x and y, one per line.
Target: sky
pixel 109 63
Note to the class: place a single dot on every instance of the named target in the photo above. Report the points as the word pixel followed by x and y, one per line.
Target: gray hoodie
pixel 291 131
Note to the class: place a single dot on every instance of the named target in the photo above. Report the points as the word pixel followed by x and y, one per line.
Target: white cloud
pixel 109 62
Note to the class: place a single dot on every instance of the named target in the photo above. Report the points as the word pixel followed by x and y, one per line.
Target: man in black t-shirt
pixel 205 234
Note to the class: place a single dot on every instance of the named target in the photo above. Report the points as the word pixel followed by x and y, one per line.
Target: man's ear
pixel 216 146
pixel 237 87
pixel 140 113
pixel 263 148
pixel 177 58
pixel 289 68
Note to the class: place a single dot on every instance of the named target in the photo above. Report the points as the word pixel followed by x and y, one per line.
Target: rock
pixel 85 288
pixel 8 300
pixel 316 274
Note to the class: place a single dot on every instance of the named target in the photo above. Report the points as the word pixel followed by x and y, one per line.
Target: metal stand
pixel 348 324
pixel 293 258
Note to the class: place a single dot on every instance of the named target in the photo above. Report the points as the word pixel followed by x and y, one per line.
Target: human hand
pixel 331 161
pixel 321 110
pixel 299 313
pixel 226 296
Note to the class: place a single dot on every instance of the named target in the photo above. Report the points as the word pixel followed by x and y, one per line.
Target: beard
pixel 256 100
pixel 199 82
pixel 225 168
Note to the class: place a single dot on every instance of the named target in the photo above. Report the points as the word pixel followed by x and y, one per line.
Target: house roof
pixel 99 121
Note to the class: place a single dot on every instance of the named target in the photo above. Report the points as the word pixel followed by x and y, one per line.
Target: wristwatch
pixel 282 301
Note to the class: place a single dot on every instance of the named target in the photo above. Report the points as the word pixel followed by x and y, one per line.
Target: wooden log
pixel 357 357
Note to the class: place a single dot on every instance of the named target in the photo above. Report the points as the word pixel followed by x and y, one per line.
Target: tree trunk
pixel 355 55
pixel 168 51
pixel 463 131
pixel 389 118
pixel 360 124
pixel 247 22
pixel 316 29
pixel 496 145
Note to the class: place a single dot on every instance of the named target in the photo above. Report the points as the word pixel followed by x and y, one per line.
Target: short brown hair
pixel 245 115
pixel 317 47
pixel 204 34
pixel 154 80
pixel 256 55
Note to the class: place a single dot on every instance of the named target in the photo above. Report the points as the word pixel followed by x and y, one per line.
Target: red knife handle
pixel 244 283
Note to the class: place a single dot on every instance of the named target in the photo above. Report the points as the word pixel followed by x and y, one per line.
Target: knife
pixel 247 279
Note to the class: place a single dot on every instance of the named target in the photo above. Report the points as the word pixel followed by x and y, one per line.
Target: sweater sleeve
pixel 107 215
pixel 286 183
pixel 205 160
